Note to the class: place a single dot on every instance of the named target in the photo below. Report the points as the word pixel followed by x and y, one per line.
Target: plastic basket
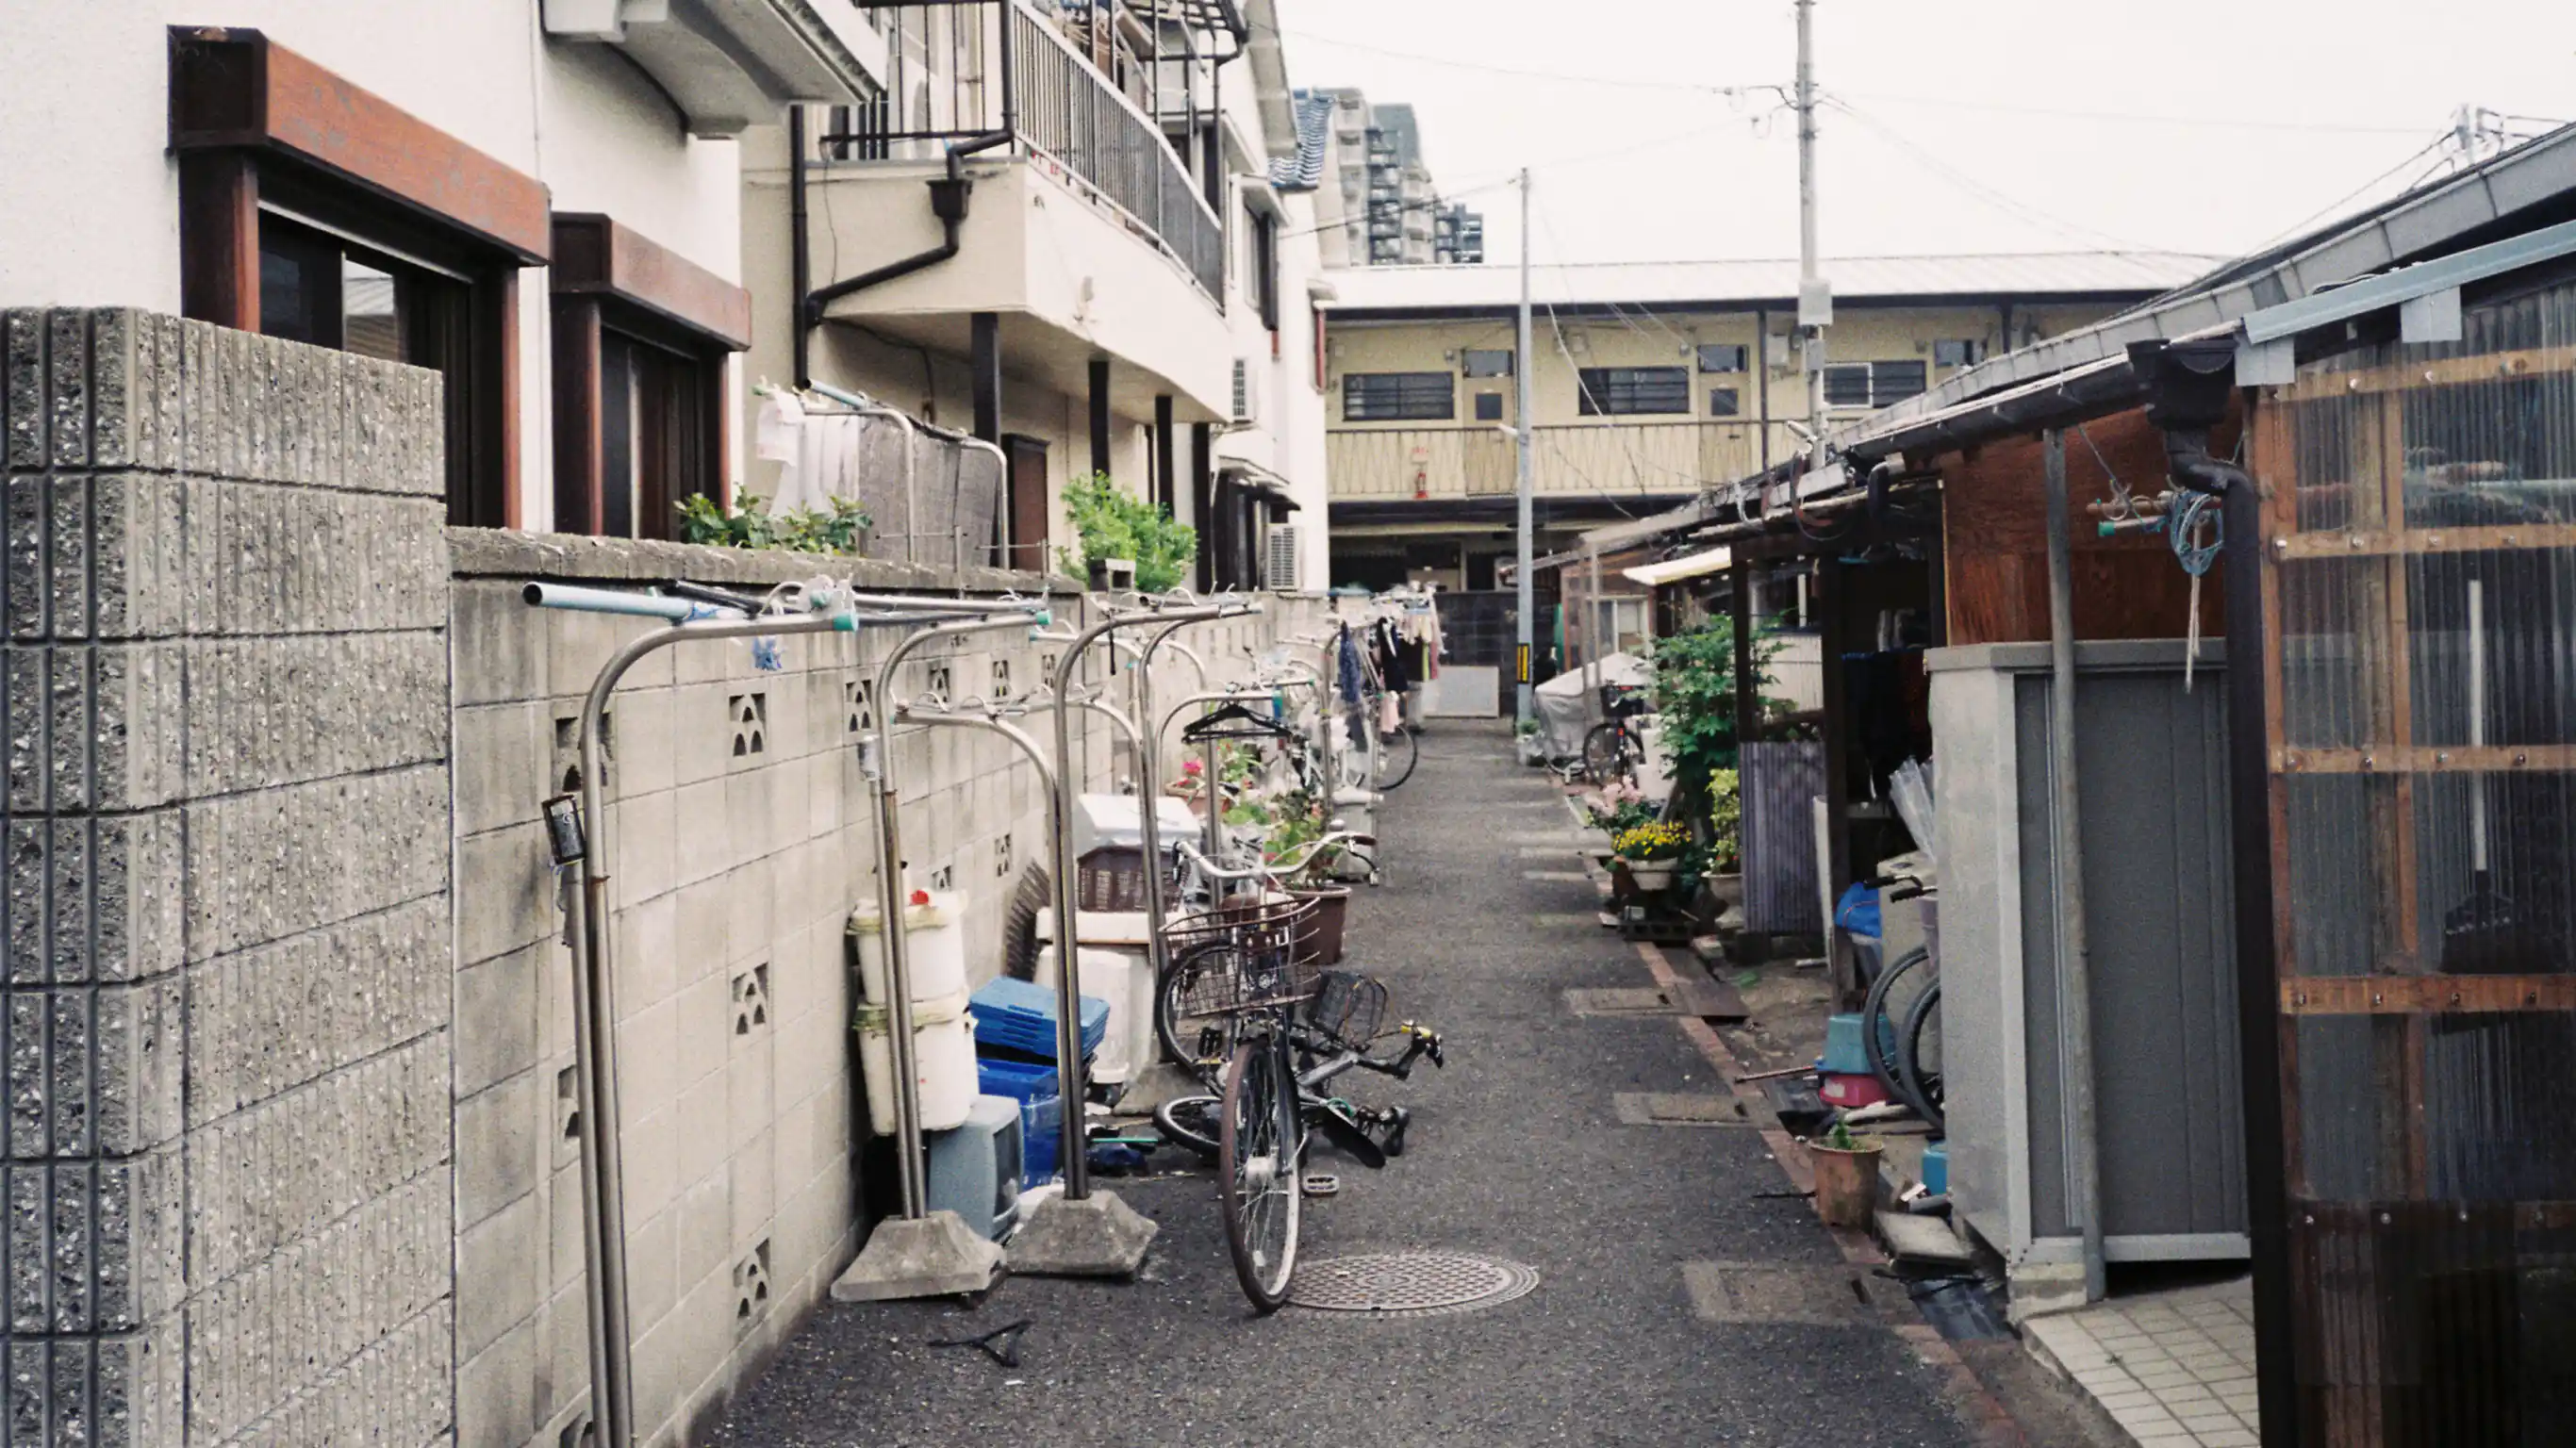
pixel 1021 1015
pixel 1244 957
pixel 1041 1136
pixel 1020 1080
pixel 1347 1006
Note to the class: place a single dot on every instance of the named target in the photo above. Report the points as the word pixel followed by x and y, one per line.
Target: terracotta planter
pixel 1332 910
pixel 1846 1184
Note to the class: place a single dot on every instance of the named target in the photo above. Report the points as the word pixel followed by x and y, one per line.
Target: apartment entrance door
pixel 1026 548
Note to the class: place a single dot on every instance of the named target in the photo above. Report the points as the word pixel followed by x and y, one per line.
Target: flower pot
pixel 1846 1184
pixel 1650 875
pixel 1728 889
pixel 1332 909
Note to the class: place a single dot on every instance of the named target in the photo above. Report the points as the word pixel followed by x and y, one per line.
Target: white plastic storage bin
pixel 1126 981
pixel 943 1052
pixel 937 937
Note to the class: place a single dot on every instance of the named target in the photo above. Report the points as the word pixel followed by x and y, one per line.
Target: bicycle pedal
pixel 1321 1184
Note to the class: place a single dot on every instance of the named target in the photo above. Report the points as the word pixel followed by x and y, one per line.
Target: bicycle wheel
pixel 1257 1183
pixel 1397 753
pixel 1877 1043
pixel 1193 1122
pixel 1916 1071
pixel 1608 753
pixel 1180 1031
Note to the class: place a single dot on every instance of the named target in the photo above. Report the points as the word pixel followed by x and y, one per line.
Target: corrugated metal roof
pixel 2427 220
pixel 1411 288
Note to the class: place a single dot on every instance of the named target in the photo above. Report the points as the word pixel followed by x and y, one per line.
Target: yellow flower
pixel 1656 840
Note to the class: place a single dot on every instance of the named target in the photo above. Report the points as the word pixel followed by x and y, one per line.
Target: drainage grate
pixel 1411 1284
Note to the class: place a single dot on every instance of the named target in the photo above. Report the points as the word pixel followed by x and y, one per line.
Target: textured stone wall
pixel 226 986
pixel 742 838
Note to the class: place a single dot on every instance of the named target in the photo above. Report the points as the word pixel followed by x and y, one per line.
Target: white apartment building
pixel 1059 231
pixel 1378 205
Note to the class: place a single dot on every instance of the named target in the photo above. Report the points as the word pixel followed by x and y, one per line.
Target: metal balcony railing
pixel 986 58
pixel 1463 460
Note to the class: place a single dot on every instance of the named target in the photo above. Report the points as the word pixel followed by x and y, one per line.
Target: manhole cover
pixel 1410 1284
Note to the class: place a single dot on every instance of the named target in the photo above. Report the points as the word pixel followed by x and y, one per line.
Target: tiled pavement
pixel 2175 1369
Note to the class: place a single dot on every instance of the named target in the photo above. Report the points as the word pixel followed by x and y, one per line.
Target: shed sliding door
pixel 2419 549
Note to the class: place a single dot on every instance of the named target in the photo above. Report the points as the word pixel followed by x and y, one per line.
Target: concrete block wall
pixel 226 995
pixel 741 835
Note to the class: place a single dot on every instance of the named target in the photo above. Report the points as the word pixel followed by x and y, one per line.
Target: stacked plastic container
pixel 943 1029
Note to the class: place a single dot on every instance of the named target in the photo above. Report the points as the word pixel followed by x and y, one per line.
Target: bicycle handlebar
pixel 1276 869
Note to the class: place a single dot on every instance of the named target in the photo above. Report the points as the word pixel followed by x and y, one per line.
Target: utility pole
pixel 1526 438
pixel 1815 294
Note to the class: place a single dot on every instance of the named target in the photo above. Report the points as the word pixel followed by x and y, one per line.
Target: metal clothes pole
pixel 1525 701
pixel 2074 950
pixel 1593 643
pixel 1748 690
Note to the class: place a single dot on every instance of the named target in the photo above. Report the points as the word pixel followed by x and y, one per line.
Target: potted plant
pixel 1725 875
pixel 1127 541
pixel 1526 737
pixel 1650 852
pixel 1846 1177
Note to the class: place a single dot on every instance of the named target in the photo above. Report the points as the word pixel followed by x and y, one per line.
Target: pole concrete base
pixel 937 1256
pixel 1099 1236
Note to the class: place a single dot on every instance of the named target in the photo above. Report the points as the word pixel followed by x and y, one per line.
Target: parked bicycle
pixel 1244 1001
pixel 1611 748
pixel 1901 1019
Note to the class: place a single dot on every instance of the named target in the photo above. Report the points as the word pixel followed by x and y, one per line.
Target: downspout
pixel 948 200
pixel 800 248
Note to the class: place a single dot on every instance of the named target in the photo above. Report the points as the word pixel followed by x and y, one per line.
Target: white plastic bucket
pixel 937 938
pixel 943 1053
pixel 1125 980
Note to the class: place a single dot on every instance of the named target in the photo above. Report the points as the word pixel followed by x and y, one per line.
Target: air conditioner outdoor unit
pixel 1279 563
pixel 1247 392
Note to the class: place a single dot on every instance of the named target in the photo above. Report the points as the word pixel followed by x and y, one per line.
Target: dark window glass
pixel 1485 362
pixel 1721 357
pixel 1489 407
pixel 1625 391
pixel 1895 381
pixel 1399 397
pixel 1964 352
pixel 1847 385
pixel 317 288
pixel 1722 402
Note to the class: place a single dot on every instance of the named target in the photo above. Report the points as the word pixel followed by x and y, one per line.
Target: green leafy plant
pixel 841 528
pixel 1840 1138
pixel 1726 822
pixel 1694 692
pixel 1526 728
pixel 1113 523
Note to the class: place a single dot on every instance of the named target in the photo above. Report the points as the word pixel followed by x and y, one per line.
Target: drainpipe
pixel 800 250
pixel 948 199
pixel 2075 963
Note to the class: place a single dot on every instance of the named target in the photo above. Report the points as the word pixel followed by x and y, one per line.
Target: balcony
pixel 1083 234
pixel 1063 112
pixel 733 66
pixel 1575 460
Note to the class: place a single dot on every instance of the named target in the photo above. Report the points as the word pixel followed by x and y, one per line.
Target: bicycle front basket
pixel 1243 956
pixel 1347 1006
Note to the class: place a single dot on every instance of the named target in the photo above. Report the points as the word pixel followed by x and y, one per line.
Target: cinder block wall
pixel 742 835
pixel 226 987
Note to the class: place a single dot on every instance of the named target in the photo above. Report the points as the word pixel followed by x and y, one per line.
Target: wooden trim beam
pixel 234 89
pixel 2426 995
pixel 2440 372
pixel 2297 547
pixel 219 239
pixel 2403 759
pixel 596 255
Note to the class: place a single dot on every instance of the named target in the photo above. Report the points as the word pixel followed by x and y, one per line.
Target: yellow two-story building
pixel 1651 382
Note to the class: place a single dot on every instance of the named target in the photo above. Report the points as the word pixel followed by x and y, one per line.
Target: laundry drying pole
pixel 576 836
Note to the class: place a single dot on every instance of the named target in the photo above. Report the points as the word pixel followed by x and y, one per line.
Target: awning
pixel 1260 481
pixel 1674 570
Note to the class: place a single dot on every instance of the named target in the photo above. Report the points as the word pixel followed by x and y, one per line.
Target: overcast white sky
pixel 1984 125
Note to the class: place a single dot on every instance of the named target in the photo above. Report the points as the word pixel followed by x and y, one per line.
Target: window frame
pixel 1479 407
pixel 1742 353
pixel 1618 391
pixel 619 297
pixel 1401 408
pixel 259 131
pixel 1734 402
pixel 1972 350
pixel 1468 364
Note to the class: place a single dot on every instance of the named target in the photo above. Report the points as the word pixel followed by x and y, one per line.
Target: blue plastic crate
pixel 1019 1080
pixel 1041 1134
pixel 1021 1015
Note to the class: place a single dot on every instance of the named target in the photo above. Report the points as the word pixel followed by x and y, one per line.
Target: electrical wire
pixel 2336 206
pixel 1981 191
